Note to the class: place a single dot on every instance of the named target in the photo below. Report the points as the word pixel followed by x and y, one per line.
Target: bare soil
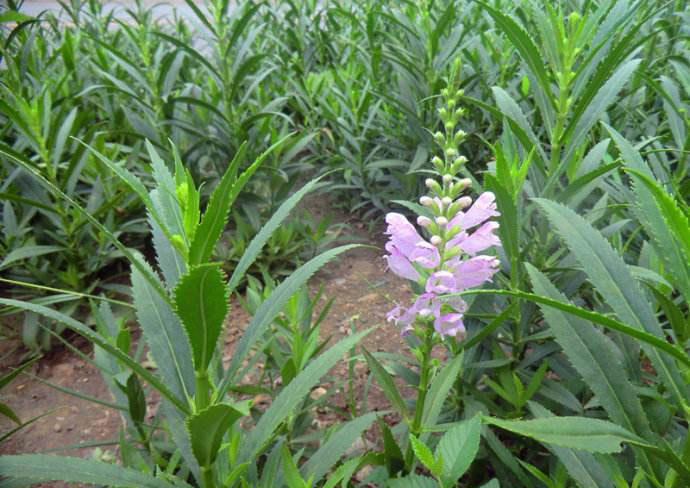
pixel 363 293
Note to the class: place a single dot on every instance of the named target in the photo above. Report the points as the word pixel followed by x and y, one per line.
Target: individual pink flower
pixel 481 210
pixel 426 255
pixel 441 283
pixel 450 323
pixel 474 271
pixel 403 234
pixel 479 240
pixel 399 264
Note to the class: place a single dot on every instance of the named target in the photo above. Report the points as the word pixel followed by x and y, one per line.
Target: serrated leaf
pixel 386 383
pixel 458 447
pixel 216 215
pixel 413 481
pixel 164 335
pixel 201 302
pixel 595 357
pixel 208 427
pixel 581 465
pixel 423 453
pixel 41 467
pixel 99 341
pixel 589 434
pixel 265 233
pixel 610 275
pixel 328 454
pixel 28 252
pixel 652 219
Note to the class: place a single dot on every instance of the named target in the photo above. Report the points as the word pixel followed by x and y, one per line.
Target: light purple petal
pixel 481 210
pixel 481 239
pixel 402 233
pixel 441 282
pixel 399 264
pixel 450 324
pixel 475 271
pixel 426 255
pixel 394 315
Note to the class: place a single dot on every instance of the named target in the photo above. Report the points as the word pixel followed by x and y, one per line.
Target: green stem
pixel 425 369
pixel 207 480
pixel 202 398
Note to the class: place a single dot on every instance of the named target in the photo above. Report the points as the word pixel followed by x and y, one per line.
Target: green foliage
pixel 199 130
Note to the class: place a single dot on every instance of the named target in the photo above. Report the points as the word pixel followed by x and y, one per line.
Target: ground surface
pixel 363 293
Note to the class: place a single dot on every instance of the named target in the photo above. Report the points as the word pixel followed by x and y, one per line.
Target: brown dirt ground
pixel 363 294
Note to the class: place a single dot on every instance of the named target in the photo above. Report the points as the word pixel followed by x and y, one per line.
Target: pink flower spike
pixel 426 255
pixel 481 239
pixel 475 271
pixel 403 234
pixel 399 264
pixel 441 282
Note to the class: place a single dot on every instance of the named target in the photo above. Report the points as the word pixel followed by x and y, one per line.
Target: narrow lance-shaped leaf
pixel 608 322
pixel 598 361
pixel 652 219
pixel 320 463
pixel 164 336
pixel 293 394
pixel 610 275
pixel 386 383
pixel 201 302
pixel 42 467
pixel 216 215
pixel 589 434
pixel 102 343
pixel 266 231
pixel 272 306
pixel 581 465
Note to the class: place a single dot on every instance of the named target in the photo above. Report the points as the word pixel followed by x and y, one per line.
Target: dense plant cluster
pixel 143 158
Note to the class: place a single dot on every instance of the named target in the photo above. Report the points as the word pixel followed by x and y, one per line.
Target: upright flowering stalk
pixel 449 261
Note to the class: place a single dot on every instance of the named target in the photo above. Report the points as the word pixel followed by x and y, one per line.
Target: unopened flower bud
pixel 447 178
pixel 464 202
pixel 445 93
pixel 439 137
pixel 451 152
pixel 451 103
pixel 424 221
pixel 443 113
pixel 426 201
pixel 449 126
pixel 433 185
pixel 436 240
pixel 442 221
pixel 465 182
pixel 446 201
pixel 438 163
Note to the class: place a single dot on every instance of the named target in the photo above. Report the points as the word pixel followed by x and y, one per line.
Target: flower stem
pixel 424 372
